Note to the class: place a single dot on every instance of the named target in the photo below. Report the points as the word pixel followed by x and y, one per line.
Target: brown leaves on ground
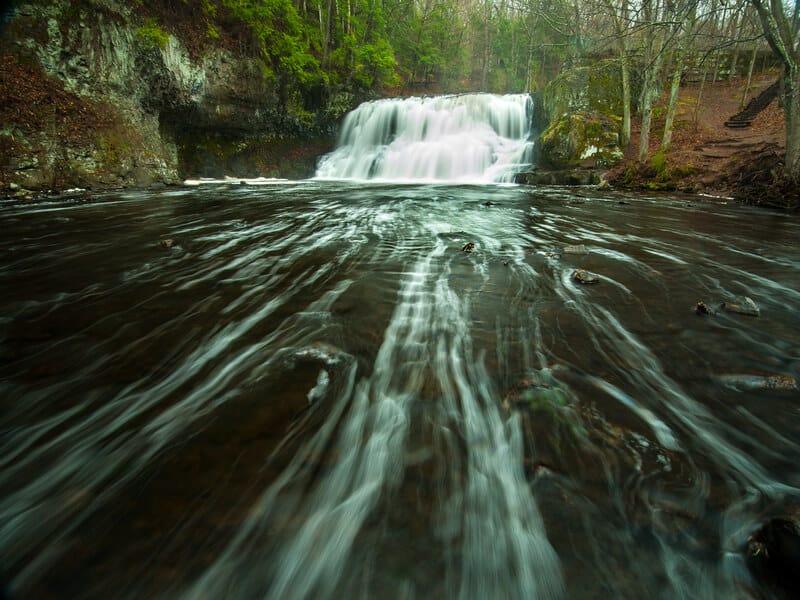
pixel 705 156
pixel 34 102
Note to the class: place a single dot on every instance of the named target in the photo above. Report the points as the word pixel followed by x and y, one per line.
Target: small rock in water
pixel 701 308
pixel 167 243
pixel 577 249
pixel 772 382
pixel 604 185
pixel 468 247
pixel 584 277
pixel 748 307
pixel 488 203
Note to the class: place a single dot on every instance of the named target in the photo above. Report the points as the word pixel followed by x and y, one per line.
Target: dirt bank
pixel 709 158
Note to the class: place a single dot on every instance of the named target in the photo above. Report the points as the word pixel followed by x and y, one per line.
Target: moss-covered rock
pixel 588 139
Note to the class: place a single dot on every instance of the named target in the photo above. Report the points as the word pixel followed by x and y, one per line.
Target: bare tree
pixel 781 25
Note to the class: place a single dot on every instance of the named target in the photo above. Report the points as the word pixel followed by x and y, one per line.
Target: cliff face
pixel 93 98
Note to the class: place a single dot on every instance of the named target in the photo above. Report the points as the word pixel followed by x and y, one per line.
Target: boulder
pixel 747 307
pixel 585 277
pixel 581 139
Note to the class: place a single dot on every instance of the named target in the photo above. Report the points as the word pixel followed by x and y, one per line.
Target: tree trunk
pixel 697 104
pixel 654 55
pixel 625 133
pixel 673 101
pixel 782 33
pixel 738 26
pixel 647 119
pixel 486 45
pixel 529 70
pixel 791 109
pixel 749 77
pixel 649 95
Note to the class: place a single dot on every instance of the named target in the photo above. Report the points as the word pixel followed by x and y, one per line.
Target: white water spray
pixel 466 138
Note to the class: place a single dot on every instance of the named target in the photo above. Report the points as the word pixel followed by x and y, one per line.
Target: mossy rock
pixel 588 139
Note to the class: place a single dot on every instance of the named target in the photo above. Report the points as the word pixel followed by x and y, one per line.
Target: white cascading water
pixel 465 138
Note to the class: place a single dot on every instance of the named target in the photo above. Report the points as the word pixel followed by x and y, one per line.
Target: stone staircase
pixel 755 106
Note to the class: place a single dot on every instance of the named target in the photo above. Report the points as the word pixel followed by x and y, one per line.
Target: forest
pixel 646 49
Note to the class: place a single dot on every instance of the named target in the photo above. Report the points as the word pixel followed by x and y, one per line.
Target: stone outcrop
pixel 582 139
pixel 580 134
pixel 115 107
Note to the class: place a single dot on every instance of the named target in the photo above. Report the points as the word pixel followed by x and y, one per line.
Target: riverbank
pixel 706 157
pixel 56 139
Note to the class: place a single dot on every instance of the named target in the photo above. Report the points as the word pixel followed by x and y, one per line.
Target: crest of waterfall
pixel 463 138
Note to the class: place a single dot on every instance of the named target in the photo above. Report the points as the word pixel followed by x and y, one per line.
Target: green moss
pixel 593 128
pixel 211 31
pixel 682 171
pixel 583 138
pixel 660 186
pixel 152 36
pixel 659 162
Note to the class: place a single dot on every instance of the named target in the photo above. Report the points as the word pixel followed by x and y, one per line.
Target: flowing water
pixel 469 138
pixel 318 392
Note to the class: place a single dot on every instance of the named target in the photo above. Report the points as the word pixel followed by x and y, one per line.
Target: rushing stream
pixel 467 138
pixel 316 393
pixel 352 389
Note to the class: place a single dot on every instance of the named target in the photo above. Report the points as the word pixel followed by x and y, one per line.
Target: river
pixel 317 392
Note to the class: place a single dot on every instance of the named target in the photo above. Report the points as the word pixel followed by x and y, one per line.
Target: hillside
pixel 709 158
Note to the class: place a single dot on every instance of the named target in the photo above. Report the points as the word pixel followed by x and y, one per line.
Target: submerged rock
pixel 701 308
pixel 770 382
pixel 576 249
pixel 584 277
pixel 747 307
pixel 773 556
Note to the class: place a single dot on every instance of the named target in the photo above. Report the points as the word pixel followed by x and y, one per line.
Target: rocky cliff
pixel 95 94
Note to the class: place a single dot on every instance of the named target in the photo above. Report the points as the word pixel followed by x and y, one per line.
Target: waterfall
pixel 465 138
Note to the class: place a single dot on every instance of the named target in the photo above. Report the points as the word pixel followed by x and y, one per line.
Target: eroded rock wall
pixel 92 101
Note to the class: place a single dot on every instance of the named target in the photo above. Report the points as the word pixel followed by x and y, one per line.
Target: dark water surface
pixel 315 393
